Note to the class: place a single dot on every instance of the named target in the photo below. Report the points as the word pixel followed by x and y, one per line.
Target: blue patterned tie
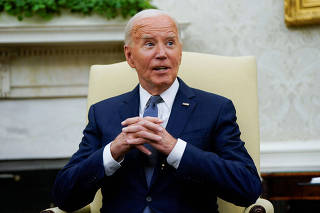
pixel 152 111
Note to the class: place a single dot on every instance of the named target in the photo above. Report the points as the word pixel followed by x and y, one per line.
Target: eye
pixel 170 43
pixel 149 44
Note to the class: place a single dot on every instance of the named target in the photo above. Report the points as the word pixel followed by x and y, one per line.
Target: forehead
pixel 163 25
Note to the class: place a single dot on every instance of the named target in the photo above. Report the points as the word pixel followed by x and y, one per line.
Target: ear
pixel 128 54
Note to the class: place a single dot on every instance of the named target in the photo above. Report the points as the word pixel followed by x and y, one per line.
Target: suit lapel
pixel 130 104
pixel 182 108
pixel 128 109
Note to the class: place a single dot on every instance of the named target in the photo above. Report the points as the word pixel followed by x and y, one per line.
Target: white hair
pixel 145 14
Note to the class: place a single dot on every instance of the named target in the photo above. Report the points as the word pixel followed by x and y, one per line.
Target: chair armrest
pixel 53 210
pixel 261 206
pixel 85 209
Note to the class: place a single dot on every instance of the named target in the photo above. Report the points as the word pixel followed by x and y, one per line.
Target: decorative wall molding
pixel 54 34
pixel 52 59
pixel 4 75
pixel 69 28
pixel 51 70
pixel 289 156
pixel 78 50
pixel 32 164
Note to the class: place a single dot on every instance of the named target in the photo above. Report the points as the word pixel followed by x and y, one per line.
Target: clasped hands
pixel 138 131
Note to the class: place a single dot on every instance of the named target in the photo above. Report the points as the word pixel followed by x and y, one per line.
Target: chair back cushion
pixel 232 77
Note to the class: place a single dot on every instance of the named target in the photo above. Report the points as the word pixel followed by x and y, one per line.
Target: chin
pixel 163 82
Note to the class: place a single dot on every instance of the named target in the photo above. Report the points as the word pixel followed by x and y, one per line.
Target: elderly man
pixel 163 147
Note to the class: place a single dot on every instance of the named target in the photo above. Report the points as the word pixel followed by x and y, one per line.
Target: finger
pixel 148 135
pixel 133 129
pixel 154 119
pixel 133 120
pixel 150 125
pixel 144 149
pixel 136 141
pixel 130 121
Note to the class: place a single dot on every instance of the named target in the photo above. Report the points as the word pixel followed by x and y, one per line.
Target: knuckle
pixel 141 122
pixel 140 128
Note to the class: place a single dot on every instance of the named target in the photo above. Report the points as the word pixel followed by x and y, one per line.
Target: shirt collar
pixel 168 95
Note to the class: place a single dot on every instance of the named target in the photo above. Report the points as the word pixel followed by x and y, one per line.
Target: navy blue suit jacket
pixel 215 161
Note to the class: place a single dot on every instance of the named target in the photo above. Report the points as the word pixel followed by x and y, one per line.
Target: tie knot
pixel 154 100
pixel 151 106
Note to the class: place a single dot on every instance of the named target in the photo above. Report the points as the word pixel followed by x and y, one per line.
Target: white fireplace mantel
pixel 68 28
pixel 63 38
pixel 44 68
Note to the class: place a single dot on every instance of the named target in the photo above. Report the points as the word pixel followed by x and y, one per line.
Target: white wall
pixel 288 74
pixel 41 128
pixel 288 67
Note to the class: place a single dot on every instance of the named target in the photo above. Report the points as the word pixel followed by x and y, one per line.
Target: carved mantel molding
pixel 52 59
pixel 60 70
pixel 67 28
pixel 4 76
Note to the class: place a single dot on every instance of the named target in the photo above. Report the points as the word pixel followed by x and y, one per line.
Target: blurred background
pixel 44 66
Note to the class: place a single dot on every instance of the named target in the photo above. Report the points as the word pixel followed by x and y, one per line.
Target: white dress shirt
pixel 164 110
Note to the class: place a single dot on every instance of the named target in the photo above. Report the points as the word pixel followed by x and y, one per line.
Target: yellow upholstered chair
pixel 232 77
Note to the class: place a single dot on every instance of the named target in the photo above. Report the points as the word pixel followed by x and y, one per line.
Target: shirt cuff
pixel 110 164
pixel 176 153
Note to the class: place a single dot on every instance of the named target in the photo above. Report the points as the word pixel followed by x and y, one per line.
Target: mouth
pixel 160 68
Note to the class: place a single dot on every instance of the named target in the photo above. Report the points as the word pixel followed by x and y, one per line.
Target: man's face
pixel 155 52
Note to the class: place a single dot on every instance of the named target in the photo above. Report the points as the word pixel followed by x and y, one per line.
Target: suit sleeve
pixel 77 183
pixel 228 168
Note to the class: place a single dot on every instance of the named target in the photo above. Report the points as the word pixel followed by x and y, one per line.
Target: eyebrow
pixel 146 36
pixel 150 37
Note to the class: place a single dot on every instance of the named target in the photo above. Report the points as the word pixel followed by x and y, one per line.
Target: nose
pixel 161 52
